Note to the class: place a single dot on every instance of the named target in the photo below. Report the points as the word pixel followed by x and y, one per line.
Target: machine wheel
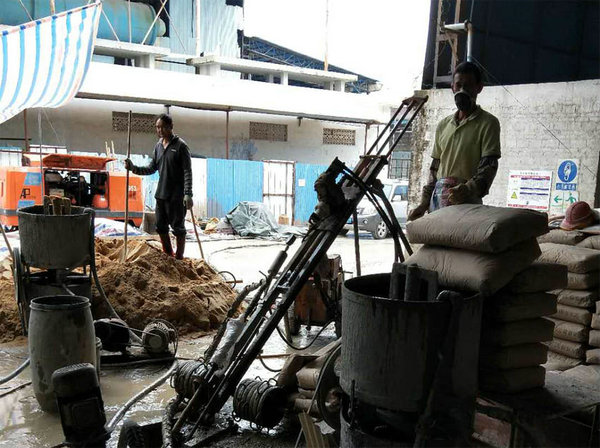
pixel 132 435
pixel 380 232
pixel 18 273
pixel 329 395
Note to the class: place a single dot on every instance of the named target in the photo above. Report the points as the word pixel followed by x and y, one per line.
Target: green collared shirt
pixel 460 145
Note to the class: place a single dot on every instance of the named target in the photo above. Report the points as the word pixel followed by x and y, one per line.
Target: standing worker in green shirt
pixel 466 149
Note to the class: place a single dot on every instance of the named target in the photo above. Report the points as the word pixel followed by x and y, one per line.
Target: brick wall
pixel 569 110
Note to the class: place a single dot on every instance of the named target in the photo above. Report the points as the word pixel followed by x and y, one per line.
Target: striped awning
pixel 43 63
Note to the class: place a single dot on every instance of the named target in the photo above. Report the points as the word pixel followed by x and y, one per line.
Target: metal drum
pixel 55 242
pixel 390 347
pixel 61 333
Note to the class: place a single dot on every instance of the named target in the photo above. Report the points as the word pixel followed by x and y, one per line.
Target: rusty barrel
pixel 390 349
pixel 54 241
pixel 61 333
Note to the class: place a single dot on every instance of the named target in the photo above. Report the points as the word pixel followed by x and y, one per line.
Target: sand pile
pixel 188 293
pixel 149 285
pixel 10 323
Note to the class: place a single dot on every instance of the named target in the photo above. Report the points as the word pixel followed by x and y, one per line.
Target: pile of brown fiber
pixel 149 285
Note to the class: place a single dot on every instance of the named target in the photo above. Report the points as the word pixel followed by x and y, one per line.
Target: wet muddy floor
pixel 24 424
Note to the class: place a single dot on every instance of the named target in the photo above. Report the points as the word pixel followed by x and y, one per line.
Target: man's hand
pixel 129 165
pixel 188 202
pixel 459 194
pixel 417 212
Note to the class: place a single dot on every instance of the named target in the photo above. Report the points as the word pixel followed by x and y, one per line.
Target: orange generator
pixel 83 179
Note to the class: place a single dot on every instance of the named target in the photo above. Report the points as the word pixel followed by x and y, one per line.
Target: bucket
pixel 390 350
pixel 61 333
pixel 55 242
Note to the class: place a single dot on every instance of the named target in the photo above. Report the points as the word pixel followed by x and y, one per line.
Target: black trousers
pixel 170 213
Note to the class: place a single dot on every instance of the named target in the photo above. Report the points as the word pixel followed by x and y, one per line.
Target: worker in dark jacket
pixel 466 149
pixel 171 158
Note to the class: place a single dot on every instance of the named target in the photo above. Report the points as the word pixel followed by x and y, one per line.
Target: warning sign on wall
pixel 529 189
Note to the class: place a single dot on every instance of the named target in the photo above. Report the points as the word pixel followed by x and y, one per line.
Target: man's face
pixel 468 83
pixel 162 129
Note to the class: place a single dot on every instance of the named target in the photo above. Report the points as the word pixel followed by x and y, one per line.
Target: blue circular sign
pixel 567 171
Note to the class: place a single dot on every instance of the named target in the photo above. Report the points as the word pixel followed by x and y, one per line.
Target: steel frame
pixel 319 238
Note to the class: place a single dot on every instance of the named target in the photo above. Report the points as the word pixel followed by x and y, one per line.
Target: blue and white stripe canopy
pixel 43 63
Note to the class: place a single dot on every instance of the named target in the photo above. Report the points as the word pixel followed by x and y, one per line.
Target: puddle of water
pixel 23 424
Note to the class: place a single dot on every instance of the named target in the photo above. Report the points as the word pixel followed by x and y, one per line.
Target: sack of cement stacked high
pixel 477 247
pixel 483 248
pixel 573 317
pixel 560 236
pixel 479 228
pixel 583 264
pixel 591 242
pixel 514 329
pixel 593 354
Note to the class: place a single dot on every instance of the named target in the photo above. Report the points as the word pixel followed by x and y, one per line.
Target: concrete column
pixel 284 78
pixel 145 61
pixel 271 78
pixel 340 86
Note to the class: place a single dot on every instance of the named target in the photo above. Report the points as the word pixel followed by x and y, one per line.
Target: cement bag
pixel 577 259
pixel 556 361
pixel 517 356
pixel 570 331
pixel 519 332
pixel 596 321
pixel 559 236
pixel 508 307
pixel 595 338
pixel 573 314
pixel 568 348
pixel 593 356
pixel 539 277
pixel 590 280
pixel 573 297
pixel 512 380
pixel 591 242
pixel 474 271
pixel 476 227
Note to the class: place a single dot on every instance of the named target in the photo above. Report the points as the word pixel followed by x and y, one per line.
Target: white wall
pixel 570 110
pixel 84 125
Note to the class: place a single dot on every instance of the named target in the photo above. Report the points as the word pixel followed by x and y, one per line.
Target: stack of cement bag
pixel 478 248
pixel 514 329
pixel 576 304
pixel 593 355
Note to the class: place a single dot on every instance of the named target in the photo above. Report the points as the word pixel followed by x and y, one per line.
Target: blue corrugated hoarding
pixel 306 196
pixel 231 181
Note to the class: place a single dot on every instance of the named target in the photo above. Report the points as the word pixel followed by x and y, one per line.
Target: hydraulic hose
pixel 16 372
pixel 99 287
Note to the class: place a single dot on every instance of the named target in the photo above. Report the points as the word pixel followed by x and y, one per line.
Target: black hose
pixel 15 372
pixel 99 287
pixel 292 346
pixel 270 369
